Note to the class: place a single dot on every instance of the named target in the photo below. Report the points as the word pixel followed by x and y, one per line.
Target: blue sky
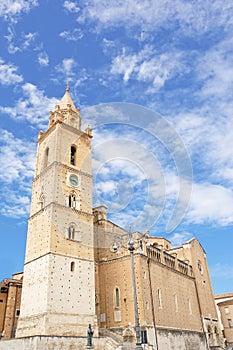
pixel 154 79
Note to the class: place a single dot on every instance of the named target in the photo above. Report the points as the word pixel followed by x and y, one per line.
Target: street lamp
pixel 131 246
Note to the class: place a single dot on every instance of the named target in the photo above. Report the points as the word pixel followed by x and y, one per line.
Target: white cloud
pixel 148 66
pixel 192 17
pixel 25 41
pixel 179 238
pixel 99 115
pixel 124 65
pixel 17 208
pixel 34 106
pixel 215 69
pixel 16 152
pixel 8 74
pixel 10 9
pixel 144 150
pixel 43 59
pixel 28 39
pixel 107 186
pixel 71 6
pixel 66 67
pixel 108 43
pixel 73 35
pixel 17 157
pixel 207 136
pixel 128 178
pixel 211 204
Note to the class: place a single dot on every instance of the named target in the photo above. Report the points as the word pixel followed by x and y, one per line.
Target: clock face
pixel 74 180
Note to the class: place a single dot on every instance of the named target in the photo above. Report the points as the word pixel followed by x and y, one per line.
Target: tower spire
pixel 66 112
pixel 66 99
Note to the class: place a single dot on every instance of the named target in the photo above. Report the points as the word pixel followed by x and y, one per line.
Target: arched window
pixel 72 266
pixel 71 232
pixel 73 201
pixel 117 297
pixel 46 157
pixel 72 155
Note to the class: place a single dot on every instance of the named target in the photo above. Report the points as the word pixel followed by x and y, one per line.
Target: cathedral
pixel 90 284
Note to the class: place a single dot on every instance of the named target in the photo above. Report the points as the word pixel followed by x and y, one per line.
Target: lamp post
pixel 131 248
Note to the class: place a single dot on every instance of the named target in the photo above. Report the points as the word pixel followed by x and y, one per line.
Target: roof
pixel 223 296
pixel 67 100
pixel 191 241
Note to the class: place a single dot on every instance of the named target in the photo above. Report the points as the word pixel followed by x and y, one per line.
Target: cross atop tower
pixel 67 85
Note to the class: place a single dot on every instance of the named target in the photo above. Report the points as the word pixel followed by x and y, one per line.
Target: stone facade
pixel 10 295
pixel 3 300
pixel 194 253
pixel 224 304
pixel 57 343
pixel 72 278
pixel 173 289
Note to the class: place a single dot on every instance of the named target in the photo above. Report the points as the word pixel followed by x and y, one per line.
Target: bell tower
pixel 58 296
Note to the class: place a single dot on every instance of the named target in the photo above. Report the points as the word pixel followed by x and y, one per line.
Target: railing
pixel 182 266
pixel 169 260
pixel 154 253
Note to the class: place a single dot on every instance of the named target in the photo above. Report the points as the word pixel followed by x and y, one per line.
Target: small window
pixel 1 301
pixel 117 297
pixel 144 337
pixel 72 155
pixel 46 157
pixel 72 201
pixel 102 317
pixel 17 313
pixel 230 322
pixel 200 267
pixel 72 266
